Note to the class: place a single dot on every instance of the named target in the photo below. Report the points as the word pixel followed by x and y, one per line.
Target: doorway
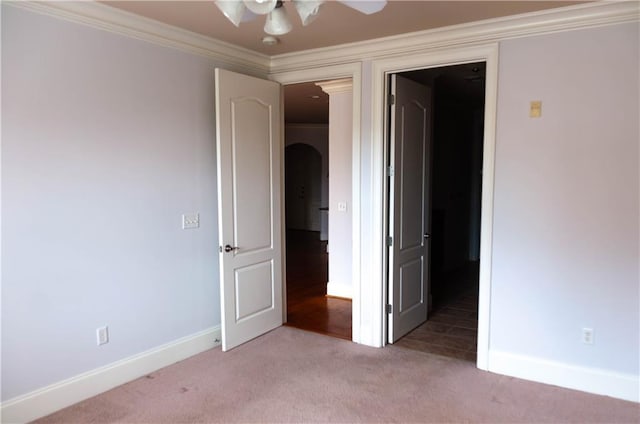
pixel 309 307
pixel 369 326
pixel 455 193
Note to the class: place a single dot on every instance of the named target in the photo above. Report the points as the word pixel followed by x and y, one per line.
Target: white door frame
pixel 381 69
pixel 369 181
pixel 353 71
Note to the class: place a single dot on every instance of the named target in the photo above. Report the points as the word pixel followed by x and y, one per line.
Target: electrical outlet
pixel 102 335
pixel 587 335
pixel 190 220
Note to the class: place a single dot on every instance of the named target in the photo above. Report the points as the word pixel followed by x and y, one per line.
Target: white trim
pixel 479 32
pixel 381 69
pixel 49 399
pixel 339 290
pixel 353 71
pixel 486 206
pixel 101 16
pixel 586 379
pixel 344 70
pixel 343 85
pixel 107 18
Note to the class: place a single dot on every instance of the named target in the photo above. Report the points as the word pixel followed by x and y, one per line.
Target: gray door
pixel 409 221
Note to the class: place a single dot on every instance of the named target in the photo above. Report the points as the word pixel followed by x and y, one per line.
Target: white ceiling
pixel 336 23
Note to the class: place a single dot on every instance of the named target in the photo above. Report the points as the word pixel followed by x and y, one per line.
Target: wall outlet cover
pixel 102 335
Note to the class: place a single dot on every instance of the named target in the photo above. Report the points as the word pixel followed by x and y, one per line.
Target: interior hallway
pixel 308 307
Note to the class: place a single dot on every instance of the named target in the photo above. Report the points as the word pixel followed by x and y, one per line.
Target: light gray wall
pixel 106 141
pixel 565 246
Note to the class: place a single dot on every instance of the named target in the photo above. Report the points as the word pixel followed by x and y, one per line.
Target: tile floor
pixel 451 329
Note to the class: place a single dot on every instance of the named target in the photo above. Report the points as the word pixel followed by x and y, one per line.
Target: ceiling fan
pixel 277 22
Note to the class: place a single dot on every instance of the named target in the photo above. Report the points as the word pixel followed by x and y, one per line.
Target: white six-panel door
pixel 409 209
pixel 249 144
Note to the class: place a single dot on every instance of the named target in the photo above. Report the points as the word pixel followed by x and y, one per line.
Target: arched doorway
pixel 303 176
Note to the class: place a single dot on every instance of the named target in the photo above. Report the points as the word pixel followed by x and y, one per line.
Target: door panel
pixel 254 286
pixel 251 151
pixel 248 130
pixel 411 295
pixel 410 172
pixel 409 197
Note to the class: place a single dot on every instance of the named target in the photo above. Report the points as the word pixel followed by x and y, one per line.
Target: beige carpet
pixel 290 375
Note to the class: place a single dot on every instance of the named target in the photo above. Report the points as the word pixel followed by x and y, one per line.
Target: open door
pixel 409 197
pixel 248 133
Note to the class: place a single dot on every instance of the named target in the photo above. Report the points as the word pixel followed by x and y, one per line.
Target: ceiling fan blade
pixel 235 11
pixel 248 16
pixel 367 7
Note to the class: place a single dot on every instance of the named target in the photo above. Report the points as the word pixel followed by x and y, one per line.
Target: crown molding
pixel 581 16
pixel 336 86
pixel 118 21
pixel 107 18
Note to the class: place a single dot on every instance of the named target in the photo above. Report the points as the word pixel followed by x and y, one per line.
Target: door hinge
pixel 389 241
pixel 390 171
pixel 389 309
pixel 392 100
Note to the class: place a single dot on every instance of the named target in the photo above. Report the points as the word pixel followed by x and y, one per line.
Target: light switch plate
pixel 190 220
pixel 342 206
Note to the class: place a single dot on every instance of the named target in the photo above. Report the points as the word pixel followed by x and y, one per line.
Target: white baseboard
pixel 47 400
pixel 591 380
pixel 340 290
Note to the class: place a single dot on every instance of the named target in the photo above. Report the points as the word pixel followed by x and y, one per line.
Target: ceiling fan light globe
pixel 308 10
pixel 368 7
pixel 261 7
pixel 278 22
pixel 232 10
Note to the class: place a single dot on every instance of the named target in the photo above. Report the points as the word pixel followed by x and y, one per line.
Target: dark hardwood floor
pixel 308 307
